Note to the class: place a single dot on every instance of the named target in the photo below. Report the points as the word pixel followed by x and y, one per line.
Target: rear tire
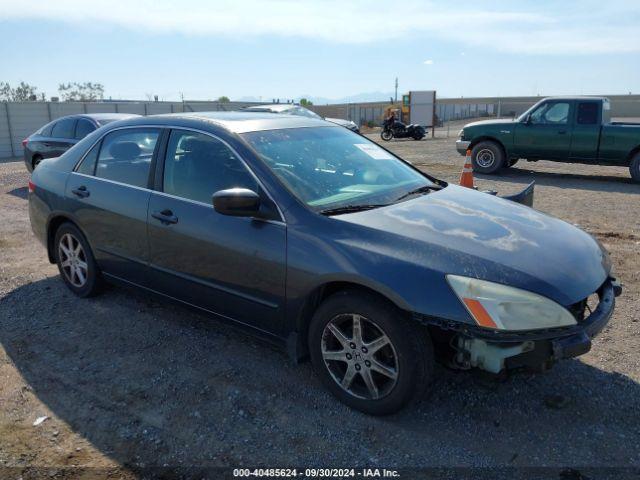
pixel 341 356
pixel 634 167
pixel 35 161
pixel 75 260
pixel 487 157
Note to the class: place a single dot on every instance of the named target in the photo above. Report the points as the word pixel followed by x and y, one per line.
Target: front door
pixel 109 195
pixel 547 133
pixel 232 266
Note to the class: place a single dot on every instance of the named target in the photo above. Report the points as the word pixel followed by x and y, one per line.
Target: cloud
pixel 570 27
pixel 428 62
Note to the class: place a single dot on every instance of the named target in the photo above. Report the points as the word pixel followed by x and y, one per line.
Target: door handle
pixel 562 132
pixel 165 216
pixel 81 192
pixel 47 144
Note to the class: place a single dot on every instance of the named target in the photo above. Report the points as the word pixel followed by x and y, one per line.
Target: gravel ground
pixel 126 381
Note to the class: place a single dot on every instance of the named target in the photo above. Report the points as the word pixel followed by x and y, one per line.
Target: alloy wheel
pixel 73 260
pixel 359 356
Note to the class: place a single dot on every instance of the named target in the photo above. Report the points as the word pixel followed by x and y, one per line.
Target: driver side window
pixel 197 165
pixel 551 114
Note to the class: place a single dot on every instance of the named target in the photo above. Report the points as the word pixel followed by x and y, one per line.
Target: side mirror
pixel 237 202
pixel 527 120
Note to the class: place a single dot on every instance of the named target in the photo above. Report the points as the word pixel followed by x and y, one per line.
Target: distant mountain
pixel 357 98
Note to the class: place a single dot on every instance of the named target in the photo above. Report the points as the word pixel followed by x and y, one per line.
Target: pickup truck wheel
pixel 634 167
pixel 487 157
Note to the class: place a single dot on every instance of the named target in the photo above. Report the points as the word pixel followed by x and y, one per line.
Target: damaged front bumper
pixel 495 351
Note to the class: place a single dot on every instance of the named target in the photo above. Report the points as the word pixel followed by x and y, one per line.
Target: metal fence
pixel 450 109
pixel 18 120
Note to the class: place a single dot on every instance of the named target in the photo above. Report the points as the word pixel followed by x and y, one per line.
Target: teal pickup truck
pixel 561 129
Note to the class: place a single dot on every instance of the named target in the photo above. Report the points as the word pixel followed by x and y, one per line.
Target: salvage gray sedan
pixel 324 243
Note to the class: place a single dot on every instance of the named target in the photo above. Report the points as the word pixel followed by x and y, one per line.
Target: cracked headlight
pixel 500 307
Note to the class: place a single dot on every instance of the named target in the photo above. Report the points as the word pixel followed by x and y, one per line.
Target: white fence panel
pixel 25 118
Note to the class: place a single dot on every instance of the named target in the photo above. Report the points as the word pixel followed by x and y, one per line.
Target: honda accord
pixel 325 243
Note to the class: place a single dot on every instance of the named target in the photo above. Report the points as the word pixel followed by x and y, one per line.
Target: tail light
pixel 32 186
pixel 24 142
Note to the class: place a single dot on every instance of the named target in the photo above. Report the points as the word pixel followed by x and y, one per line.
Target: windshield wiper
pixel 351 208
pixel 415 191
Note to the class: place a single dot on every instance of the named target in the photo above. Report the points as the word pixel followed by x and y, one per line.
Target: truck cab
pixel 562 129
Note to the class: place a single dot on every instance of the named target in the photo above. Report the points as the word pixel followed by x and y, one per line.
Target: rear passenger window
pixel 197 166
pixel 587 113
pixel 64 128
pixel 46 130
pixel 84 128
pixel 125 156
pixel 88 164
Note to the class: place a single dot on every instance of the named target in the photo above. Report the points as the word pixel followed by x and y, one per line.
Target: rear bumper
pixel 462 146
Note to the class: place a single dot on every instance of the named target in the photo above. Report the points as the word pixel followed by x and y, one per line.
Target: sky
pixel 329 49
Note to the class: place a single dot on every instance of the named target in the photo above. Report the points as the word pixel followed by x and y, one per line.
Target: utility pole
pixel 396 97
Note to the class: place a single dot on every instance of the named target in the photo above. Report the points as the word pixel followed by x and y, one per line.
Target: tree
pixel 22 93
pixel 223 99
pixel 81 92
pixel 305 103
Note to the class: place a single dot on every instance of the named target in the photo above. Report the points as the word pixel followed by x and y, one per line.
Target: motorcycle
pixel 396 129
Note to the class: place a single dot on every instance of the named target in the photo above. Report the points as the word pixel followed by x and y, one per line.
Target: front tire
pixel 487 157
pixel 634 167
pixel 386 135
pixel 76 262
pixel 367 354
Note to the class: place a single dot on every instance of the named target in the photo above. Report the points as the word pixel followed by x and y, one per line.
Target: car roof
pixel 100 116
pixel 574 97
pixel 236 122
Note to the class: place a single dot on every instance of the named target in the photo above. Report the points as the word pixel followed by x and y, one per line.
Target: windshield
pixel 331 167
pixel 104 121
pixel 526 113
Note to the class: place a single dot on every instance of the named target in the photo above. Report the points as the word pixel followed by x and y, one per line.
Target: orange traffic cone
pixel 466 179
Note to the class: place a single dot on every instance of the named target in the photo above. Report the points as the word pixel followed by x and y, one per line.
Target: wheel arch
pixel 634 151
pixel 297 341
pixel 33 158
pixel 489 138
pixel 54 222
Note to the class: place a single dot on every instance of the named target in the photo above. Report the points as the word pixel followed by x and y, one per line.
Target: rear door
pixel 109 195
pixel 232 266
pixel 547 134
pixel 586 131
pixel 62 137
